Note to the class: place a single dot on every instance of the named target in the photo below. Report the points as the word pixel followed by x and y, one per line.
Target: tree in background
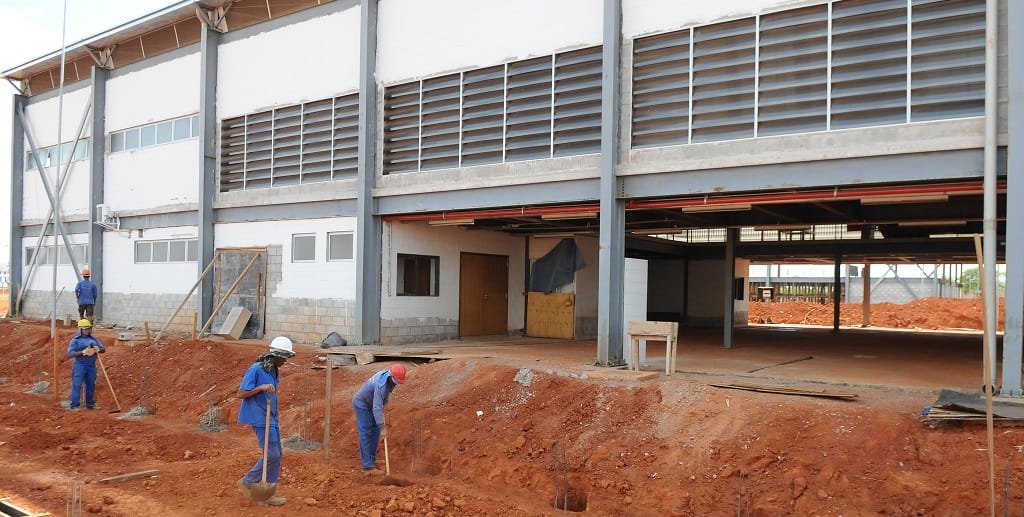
pixel 970 285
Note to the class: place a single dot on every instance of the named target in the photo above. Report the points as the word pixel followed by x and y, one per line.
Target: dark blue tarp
pixel 557 268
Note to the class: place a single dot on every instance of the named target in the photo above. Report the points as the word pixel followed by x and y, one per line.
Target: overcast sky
pixel 32 28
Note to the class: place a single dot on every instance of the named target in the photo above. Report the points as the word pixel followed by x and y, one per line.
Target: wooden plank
pixel 608 374
pixel 786 390
pixel 131 476
pixel 656 328
pixel 364 357
pixel 551 315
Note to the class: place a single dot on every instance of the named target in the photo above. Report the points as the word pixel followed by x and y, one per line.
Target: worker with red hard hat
pixel 86 293
pixel 368 404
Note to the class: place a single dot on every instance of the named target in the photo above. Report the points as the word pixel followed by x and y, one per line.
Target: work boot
pixel 373 472
pixel 276 501
pixel 243 487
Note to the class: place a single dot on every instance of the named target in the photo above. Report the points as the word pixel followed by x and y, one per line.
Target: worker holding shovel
pixel 258 391
pixel 83 349
pixel 368 404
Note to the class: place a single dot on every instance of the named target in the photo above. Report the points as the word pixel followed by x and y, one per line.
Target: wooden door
pixel 483 295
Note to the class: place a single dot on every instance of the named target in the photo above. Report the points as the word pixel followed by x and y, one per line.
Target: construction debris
pixel 524 377
pixel 39 387
pixel 131 476
pixel 964 407
pixel 782 363
pixel 136 412
pixel 297 442
pixel 787 390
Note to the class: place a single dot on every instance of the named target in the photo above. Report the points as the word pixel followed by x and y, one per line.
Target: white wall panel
pixel 647 16
pixel 309 60
pixel 160 175
pixel 634 302
pixel 418 38
pixel 42 117
pixel 165 90
pixel 76 194
pixel 317 279
pixel 447 243
pixel 123 275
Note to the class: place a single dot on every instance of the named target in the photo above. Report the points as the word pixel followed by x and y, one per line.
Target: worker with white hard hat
pixel 258 390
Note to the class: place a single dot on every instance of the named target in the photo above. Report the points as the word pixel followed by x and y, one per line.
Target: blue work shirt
pixel 374 394
pixel 254 408
pixel 86 292
pixel 81 342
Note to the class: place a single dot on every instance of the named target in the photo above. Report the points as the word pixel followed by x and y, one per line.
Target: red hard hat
pixel 398 372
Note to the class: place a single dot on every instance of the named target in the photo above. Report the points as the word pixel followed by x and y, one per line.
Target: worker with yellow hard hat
pixel 86 293
pixel 83 349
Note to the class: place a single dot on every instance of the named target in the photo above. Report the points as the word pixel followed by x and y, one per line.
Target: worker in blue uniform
pixel 83 349
pixel 259 389
pixel 368 404
pixel 86 294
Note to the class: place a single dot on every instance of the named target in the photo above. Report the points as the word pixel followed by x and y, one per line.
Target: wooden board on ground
pixel 372 354
pixel 611 374
pixel 787 390
pixel 131 476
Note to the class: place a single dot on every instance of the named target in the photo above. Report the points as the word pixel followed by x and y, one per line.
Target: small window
pixel 303 247
pixel 62 256
pixel 147 136
pixel 339 246
pixel 28 256
pixel 143 252
pixel 177 251
pixel 418 275
pixel 182 129
pixel 65 152
pixel 81 253
pixel 164 131
pixel 131 139
pixel 82 151
pixel 192 251
pixel 29 164
pixel 117 142
pixel 195 125
pixel 160 251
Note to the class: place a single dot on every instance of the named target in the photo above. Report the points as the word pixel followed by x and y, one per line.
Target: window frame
pixel 313 247
pixel 352 246
pixel 434 265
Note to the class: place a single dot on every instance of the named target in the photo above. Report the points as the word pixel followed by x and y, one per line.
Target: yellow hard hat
pixel 84 324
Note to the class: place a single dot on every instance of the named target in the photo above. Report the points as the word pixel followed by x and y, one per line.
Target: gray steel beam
pixel 732 236
pixel 837 287
pixel 208 46
pixel 612 254
pixel 368 222
pixel 568 191
pixel 17 197
pixel 96 180
pixel 1014 336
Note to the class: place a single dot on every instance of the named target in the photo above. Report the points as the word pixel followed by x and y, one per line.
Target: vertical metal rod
pixel 60 160
pixel 1006 490
pixel 990 173
pixel 327 408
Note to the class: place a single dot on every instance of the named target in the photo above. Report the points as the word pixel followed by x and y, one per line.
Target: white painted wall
pixel 418 38
pixel 123 275
pixel 317 279
pixel 634 302
pixel 163 91
pixel 646 16
pixel 42 279
pixel 320 58
pixel 161 175
pixel 75 200
pixel 447 243
pixel 42 117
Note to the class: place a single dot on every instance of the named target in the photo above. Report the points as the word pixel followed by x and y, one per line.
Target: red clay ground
pixel 926 313
pixel 664 447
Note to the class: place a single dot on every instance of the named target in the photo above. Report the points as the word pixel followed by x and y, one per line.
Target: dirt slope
pixel 657 448
pixel 926 313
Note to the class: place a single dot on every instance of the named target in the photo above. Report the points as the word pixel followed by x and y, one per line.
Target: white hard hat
pixel 282 344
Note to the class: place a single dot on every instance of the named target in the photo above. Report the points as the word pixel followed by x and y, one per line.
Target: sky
pixel 32 28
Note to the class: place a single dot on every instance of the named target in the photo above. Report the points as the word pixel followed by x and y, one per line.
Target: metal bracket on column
pixel 214 18
pixel 104 57
pixel 20 85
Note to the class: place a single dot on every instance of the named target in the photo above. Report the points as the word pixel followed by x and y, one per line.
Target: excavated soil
pixel 926 313
pixel 664 447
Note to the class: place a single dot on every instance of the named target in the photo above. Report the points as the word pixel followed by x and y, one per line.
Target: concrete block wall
pixel 136 309
pixel 401 331
pixel 39 305
pixel 309 320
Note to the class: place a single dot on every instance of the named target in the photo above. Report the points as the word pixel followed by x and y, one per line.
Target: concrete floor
pixel 874 357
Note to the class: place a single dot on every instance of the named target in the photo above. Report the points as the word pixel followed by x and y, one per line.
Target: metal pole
pixel 989 241
pixel 60 160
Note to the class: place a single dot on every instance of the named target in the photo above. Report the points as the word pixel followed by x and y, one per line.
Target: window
pixel 154 134
pixel 176 251
pixel 47 254
pixel 48 155
pixel 339 246
pixel 303 247
pixel 418 275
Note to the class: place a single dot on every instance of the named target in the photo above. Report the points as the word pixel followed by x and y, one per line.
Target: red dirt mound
pixel 926 313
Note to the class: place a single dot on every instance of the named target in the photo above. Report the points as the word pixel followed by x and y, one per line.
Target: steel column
pixel 368 224
pixel 836 290
pixel 208 46
pixel 97 157
pixel 612 254
pixel 17 197
pixel 732 235
pixel 1012 340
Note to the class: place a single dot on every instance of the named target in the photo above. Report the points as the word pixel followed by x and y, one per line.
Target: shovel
pixel 263 491
pixel 388 478
pixel 117 409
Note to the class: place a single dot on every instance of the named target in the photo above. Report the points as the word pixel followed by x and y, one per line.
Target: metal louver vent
pixel 528 105
pixel 302 143
pixel 661 89
pixel 793 72
pixel 947 59
pixel 723 81
pixel 483 115
pixel 577 122
pixel 869 63
pixel 401 127
pixel 439 122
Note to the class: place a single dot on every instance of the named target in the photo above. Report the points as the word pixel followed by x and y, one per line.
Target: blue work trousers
pixel 255 474
pixel 83 374
pixel 369 436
